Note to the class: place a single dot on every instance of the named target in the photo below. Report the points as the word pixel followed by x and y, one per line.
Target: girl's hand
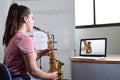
pixel 54 75
pixel 45 52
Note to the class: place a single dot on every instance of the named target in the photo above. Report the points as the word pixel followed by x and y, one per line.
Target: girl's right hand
pixel 54 75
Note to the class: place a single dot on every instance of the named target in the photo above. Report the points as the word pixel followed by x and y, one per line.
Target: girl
pixel 19 53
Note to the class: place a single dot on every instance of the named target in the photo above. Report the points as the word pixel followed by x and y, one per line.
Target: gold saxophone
pixel 55 65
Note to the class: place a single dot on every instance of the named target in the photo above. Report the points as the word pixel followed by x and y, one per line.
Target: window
pixel 83 12
pixel 107 11
pixel 97 12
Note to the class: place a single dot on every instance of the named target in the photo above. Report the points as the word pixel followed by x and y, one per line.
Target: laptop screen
pixel 93 47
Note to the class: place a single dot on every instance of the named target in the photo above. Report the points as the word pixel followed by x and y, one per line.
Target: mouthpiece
pixel 47 32
pixel 36 28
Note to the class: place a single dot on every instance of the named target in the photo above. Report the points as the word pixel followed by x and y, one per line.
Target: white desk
pixel 96 69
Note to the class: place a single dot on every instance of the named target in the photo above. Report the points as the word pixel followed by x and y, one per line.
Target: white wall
pixel 4 5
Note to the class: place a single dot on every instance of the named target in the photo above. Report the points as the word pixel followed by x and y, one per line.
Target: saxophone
pixel 55 65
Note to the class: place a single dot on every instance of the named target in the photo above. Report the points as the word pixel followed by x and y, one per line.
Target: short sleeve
pixel 26 45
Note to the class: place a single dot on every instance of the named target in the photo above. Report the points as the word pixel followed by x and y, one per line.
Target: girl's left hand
pixel 45 52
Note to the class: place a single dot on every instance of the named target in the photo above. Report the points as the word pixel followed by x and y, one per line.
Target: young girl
pixel 19 52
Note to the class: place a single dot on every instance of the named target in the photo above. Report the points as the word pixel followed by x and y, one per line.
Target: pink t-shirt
pixel 21 44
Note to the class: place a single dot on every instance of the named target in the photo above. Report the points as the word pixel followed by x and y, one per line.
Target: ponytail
pixel 13 20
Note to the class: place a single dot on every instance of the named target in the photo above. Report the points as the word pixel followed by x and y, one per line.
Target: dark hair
pixel 13 22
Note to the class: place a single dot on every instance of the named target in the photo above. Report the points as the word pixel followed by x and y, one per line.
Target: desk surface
pixel 109 59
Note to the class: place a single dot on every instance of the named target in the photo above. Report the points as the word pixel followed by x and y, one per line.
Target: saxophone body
pixel 55 65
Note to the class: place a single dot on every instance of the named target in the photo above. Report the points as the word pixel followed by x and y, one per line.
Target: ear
pixel 25 19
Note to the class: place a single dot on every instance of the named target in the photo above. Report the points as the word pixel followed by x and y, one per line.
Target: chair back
pixel 4 72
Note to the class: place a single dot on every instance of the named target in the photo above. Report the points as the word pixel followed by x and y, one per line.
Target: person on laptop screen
pixel 87 47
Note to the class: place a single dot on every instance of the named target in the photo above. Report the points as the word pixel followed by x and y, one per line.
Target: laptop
pixel 93 48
